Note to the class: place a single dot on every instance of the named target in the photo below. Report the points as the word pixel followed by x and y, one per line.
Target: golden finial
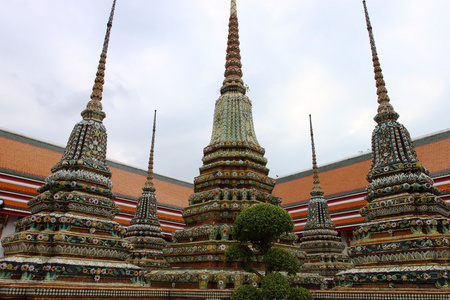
pixel 385 109
pixel 94 109
pixel 233 66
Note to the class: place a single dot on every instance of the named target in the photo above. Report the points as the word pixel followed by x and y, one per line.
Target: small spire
pixel 108 28
pixel 317 189
pixel 149 183
pixel 385 109
pixel 233 66
pixel 94 107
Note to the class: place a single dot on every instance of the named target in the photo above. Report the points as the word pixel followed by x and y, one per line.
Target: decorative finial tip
pixel 149 186
pixel 385 109
pixel 94 108
pixel 317 189
pixel 233 66
pixel 233 9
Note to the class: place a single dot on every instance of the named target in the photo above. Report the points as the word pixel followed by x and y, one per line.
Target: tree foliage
pixel 246 292
pixel 300 293
pixel 261 224
pixel 279 259
pixel 240 253
pixel 275 286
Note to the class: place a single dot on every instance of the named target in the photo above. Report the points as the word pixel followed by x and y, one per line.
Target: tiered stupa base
pixel 326 265
pixel 68 247
pixel 411 252
pixel 62 269
pixel 323 249
pixel 220 279
pixel 424 277
pixel 201 264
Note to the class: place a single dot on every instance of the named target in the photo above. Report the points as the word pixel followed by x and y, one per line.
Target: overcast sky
pixel 299 57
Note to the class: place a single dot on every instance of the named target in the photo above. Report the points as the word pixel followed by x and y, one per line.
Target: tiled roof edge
pixel 330 166
pixel 327 197
pixel 24 175
pixel 171 206
pixel 433 137
pixel 142 172
pixel 160 204
pixel 427 139
pixel 111 163
pixel 181 223
pixel 42 179
pixel 359 191
pixel 30 140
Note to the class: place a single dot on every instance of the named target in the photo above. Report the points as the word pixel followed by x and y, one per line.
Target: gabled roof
pixel 349 175
pixel 26 162
pixel 344 182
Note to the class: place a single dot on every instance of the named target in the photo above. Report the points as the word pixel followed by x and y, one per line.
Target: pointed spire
pixel 144 232
pixel 385 109
pixel 94 107
pixel 320 240
pixel 149 183
pixel 233 67
pixel 317 189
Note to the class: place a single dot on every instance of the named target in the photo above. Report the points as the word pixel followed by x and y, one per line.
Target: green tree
pixel 279 259
pixel 275 286
pixel 300 293
pixel 260 226
pixel 246 292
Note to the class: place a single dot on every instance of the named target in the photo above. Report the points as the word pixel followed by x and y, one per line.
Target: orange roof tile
pixel 24 155
pixel 130 184
pixel 27 158
pixel 347 176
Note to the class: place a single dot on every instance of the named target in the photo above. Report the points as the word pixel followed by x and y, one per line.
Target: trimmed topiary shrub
pixel 299 293
pixel 275 286
pixel 246 292
pixel 242 254
pixel 279 259
pixel 261 224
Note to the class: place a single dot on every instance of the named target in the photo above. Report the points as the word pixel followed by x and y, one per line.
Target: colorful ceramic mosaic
pixel 144 232
pixel 405 242
pixel 70 235
pixel 320 240
pixel 234 176
pixel 222 279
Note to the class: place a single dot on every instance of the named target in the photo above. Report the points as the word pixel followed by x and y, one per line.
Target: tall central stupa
pixel 233 177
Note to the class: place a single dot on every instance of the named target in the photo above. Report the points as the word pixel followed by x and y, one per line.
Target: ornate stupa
pixel 71 235
pixel 233 177
pixel 144 232
pixel 320 239
pixel 405 242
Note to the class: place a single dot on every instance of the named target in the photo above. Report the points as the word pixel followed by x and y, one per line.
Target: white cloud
pixel 299 57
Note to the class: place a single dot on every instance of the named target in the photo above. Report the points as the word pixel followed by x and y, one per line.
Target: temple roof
pixel 349 175
pixel 345 182
pixel 31 159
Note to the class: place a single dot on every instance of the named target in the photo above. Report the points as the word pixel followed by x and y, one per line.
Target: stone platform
pixel 12 289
